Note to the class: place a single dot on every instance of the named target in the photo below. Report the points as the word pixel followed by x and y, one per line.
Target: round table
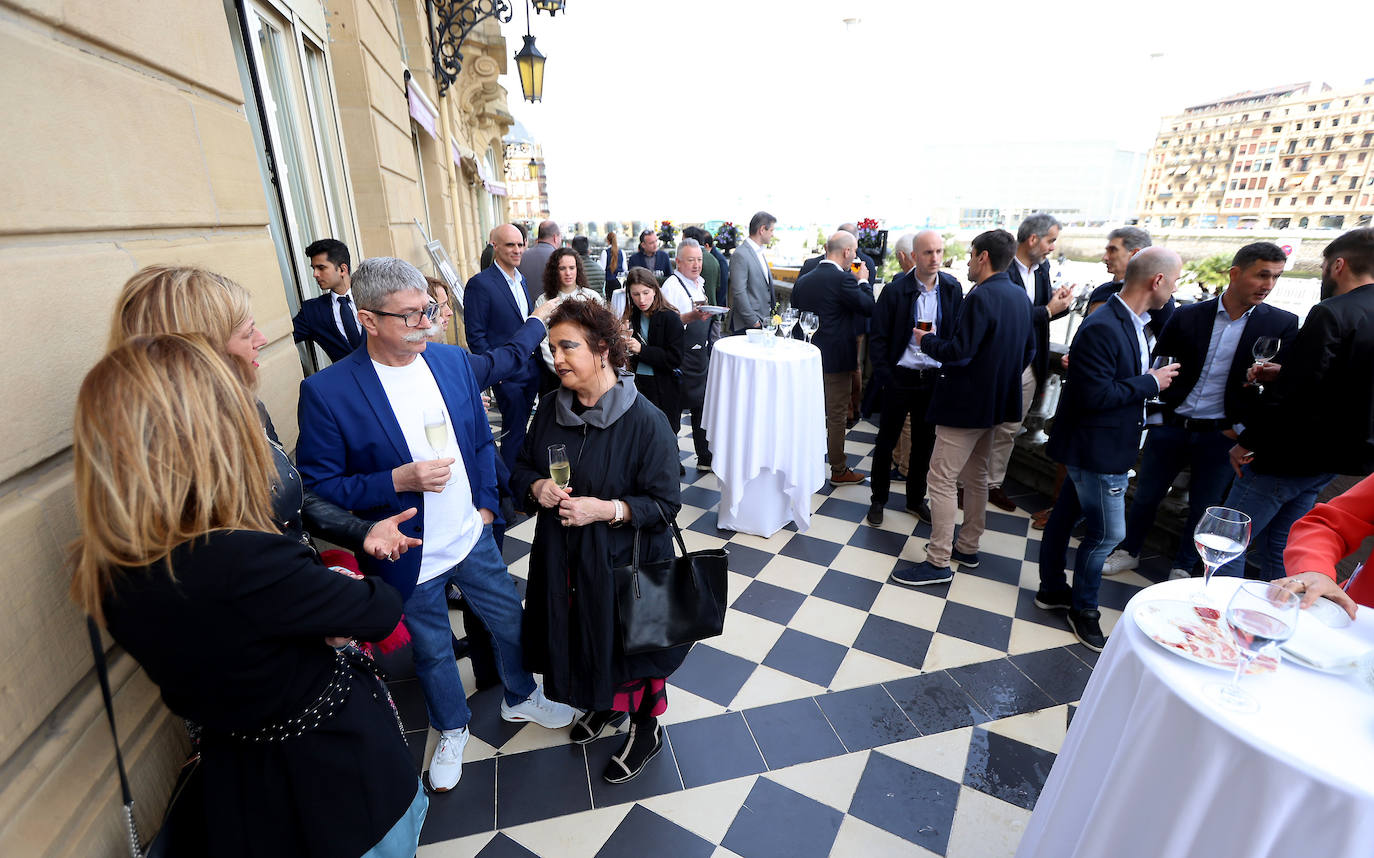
pixel 1152 768
pixel 765 419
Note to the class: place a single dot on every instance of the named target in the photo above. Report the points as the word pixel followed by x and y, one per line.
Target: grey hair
pixel 906 244
pixel 1133 238
pixel 380 276
pixel 548 229
pixel 1039 223
pixel 689 242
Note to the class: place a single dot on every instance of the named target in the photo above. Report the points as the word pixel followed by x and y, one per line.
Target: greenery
pixel 954 250
pixel 1212 273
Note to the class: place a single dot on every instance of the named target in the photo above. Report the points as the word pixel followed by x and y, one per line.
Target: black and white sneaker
pixel 641 745
pixel 1059 600
pixel 1087 627
pixel 592 723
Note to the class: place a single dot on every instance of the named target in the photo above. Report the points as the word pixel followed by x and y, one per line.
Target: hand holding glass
pixel 1159 363
pixel 560 470
pixel 1221 536
pixel 1264 350
pixel 1260 614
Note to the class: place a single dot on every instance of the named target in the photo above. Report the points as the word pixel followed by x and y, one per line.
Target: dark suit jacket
pixel 1102 407
pixel 658 262
pixel 1040 314
pixel 983 355
pixel 1158 318
pixel 1186 338
pixel 862 324
pixel 722 293
pixel 839 300
pixel 350 442
pixel 315 323
pixel 1317 417
pixel 894 317
pixel 491 315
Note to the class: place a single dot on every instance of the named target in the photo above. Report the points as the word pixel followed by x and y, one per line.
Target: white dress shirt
pixel 763 261
pixel 1027 277
pixel 338 318
pixel 683 293
pixel 926 306
pixel 516 283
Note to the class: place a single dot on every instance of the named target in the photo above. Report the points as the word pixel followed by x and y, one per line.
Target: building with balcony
pixel 1300 156
pixel 526 178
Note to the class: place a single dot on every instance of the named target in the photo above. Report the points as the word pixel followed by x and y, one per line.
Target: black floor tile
pixel 541 784
pixel 410 703
pixel 1058 672
pixel 793 732
pixel 699 497
pixel 692 476
pixel 916 805
pixel 848 589
pixel 1003 522
pixel 468 808
pixel 715 749
pixel 806 656
pixel 659 776
pixel 877 539
pixel 746 560
pixel 861 435
pixel 1033 548
pixel 487 723
pixel 995 567
pixel 999 688
pixel 415 743
pixel 975 625
pixel 1115 594
pixel 1007 769
pixel 711 673
pixel 895 641
pixel 843 509
pixel 935 703
pixel 1026 610
pixel 513 549
pixel 1086 655
pixel 866 718
pixel 502 846
pixel 769 602
pixel 707 524
pixel 1072 709
pixel 776 822
pixel 645 832
pixel 398 665
pixel 811 549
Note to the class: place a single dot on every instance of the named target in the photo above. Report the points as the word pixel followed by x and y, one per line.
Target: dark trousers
pixel 908 393
pixel 1168 449
pixel 703 448
pixel 515 399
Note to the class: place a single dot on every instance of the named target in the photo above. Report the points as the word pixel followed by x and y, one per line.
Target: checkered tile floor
pixel 837 715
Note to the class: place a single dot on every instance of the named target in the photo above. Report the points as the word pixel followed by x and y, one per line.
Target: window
pixel 1317 124
pixel 1328 200
pixel 1277 129
pixel 1326 143
pixel 1368 139
pixel 1297 127
pixel 1348 198
pixel 1335 121
pixel 1348 139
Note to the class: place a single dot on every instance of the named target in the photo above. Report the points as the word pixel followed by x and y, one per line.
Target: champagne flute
pixel 436 431
pixel 1159 362
pixel 1264 350
pixel 560 470
pixel 810 323
pixel 1221 536
pixel 1261 614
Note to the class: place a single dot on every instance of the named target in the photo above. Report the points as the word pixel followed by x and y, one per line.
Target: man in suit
pixel 364 446
pixel 752 298
pixel 497 303
pixel 860 327
pixel 1208 403
pixel 651 256
pixel 905 373
pixel 328 320
pixel 839 299
pixel 548 239
pixel 982 356
pixel 1096 435
pixel 1316 416
pixel 1030 269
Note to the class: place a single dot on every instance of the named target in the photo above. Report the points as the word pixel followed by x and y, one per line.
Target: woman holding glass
pixel 563 278
pixel 623 466
pixel 654 340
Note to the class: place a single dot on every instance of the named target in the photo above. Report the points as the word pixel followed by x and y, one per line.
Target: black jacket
pixel 1040 314
pixel 840 301
pixel 861 324
pixel 315 323
pixel 894 317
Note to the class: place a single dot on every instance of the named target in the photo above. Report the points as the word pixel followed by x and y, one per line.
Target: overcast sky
pixel 709 109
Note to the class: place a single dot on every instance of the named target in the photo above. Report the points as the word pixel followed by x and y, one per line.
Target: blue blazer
pixel 659 262
pixel 491 315
pixel 1187 335
pixel 1102 407
pixel 315 323
pixel 1040 314
pixel 982 356
pixel 894 318
pixel 841 302
pixel 350 442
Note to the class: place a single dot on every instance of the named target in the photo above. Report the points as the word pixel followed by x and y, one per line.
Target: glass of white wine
pixel 436 432
pixel 560 470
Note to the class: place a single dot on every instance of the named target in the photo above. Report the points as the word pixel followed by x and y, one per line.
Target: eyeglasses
pixel 412 319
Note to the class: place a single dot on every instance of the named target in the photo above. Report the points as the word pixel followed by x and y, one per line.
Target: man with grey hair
pixel 685 289
pixel 1122 244
pixel 548 238
pixel 397 425
pixel 752 297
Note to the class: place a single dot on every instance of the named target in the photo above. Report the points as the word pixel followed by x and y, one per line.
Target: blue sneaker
pixel 921 575
pixel 968 561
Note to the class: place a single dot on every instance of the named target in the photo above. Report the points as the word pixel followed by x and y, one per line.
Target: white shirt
pixel 763 261
pixel 517 289
pixel 1139 322
pixel 452 523
pixel 1207 399
pixel 338 317
pixel 927 306
pixel 682 293
pixel 837 265
pixel 1027 277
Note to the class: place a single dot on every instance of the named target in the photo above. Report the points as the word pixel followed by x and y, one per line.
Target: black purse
pixel 183 831
pixel 670 602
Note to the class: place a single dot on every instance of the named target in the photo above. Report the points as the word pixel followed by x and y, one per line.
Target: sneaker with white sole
pixel 1120 561
pixel 1178 573
pixel 539 709
pixel 446 764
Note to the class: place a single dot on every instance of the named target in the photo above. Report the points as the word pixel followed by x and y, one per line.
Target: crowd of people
pixel 198 543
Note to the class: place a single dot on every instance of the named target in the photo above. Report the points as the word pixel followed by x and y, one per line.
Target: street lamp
pixel 550 6
pixel 534 169
pixel 531 64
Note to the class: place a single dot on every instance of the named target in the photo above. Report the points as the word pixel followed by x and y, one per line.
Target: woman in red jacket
pixel 1320 539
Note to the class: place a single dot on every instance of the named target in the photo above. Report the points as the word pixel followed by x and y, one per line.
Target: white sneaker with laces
pixel 1119 561
pixel 540 710
pixel 446 765
pixel 1178 573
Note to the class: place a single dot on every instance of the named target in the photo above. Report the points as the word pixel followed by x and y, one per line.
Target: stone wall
pixel 1191 244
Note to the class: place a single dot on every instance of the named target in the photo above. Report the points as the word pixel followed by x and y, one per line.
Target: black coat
pixel 237 642
pixel 1040 314
pixel 861 324
pixel 314 322
pixel 841 302
pixel 662 350
pixel 894 318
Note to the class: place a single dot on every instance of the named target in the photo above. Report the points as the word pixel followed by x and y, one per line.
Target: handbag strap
pixel 677 532
pixel 103 674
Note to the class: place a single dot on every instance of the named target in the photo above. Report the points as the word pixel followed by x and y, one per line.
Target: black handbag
pixel 183 831
pixel 670 602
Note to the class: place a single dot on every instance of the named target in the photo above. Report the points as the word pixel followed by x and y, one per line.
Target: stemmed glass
pixel 789 321
pixel 436 431
pixel 1260 614
pixel 810 323
pixel 560 470
pixel 1264 350
pixel 1221 536
pixel 1159 363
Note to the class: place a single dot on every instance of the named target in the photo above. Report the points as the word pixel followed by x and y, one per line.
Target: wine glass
pixel 1159 362
pixel 560 471
pixel 1260 614
pixel 436 431
pixel 1264 350
pixel 810 323
pixel 1220 537
pixel 789 321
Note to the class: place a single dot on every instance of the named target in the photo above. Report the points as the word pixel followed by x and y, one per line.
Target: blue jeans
pixel 490 593
pixel 1168 449
pixel 1273 504
pixel 1101 500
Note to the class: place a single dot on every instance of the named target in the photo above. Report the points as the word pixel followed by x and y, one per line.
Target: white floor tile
pixel 577 835
pixel 1044 728
pixel 985 827
pixel 831 782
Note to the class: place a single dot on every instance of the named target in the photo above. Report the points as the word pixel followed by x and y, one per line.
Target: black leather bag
pixel 672 602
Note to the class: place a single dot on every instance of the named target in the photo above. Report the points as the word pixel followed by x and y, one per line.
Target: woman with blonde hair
pixel 182 559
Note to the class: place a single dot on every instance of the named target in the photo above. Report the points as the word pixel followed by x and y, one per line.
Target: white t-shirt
pixel 452 524
pixel 682 293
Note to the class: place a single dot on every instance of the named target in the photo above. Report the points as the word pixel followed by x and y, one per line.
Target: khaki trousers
pixel 836 414
pixel 960 456
pixel 903 450
pixel 1004 440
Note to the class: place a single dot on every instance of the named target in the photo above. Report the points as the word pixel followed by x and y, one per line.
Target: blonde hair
pixel 168 447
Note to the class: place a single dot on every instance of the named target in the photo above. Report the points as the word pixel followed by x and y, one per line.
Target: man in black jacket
pixel 839 299
pixel 904 373
pixel 1316 418
pixel 860 324
pixel 982 356
pixel 329 320
pixel 1096 435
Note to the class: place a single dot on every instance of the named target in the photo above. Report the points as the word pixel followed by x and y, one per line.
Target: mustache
pixel 423 333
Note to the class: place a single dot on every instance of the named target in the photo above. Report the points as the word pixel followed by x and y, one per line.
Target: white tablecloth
pixel 1152 768
pixel 765 419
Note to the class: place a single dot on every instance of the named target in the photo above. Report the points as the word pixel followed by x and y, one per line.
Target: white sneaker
pixel 540 710
pixel 446 765
pixel 1178 573
pixel 1119 561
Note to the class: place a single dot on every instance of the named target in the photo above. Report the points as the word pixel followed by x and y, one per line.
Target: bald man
pixel 1096 435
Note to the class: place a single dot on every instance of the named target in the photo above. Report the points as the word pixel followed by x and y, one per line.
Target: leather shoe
pixel 921 511
pixel 875 514
pixel 846 478
pixel 999 499
pixel 1041 518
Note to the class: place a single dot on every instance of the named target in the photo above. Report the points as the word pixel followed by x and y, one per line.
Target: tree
pixel 1212 274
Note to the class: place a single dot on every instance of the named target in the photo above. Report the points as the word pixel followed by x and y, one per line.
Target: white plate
pixel 1197 633
pixel 1339 670
pixel 713 309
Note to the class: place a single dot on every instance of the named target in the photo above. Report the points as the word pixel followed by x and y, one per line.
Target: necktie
pixel 350 323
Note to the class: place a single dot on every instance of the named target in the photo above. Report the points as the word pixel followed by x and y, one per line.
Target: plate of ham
pixel 1196 632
